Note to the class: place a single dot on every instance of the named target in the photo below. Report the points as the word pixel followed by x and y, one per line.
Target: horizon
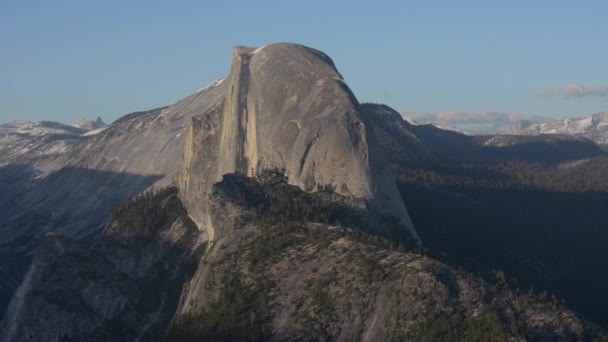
pixel 320 170
pixel 67 61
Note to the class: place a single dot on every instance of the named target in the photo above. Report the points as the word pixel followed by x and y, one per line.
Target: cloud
pixel 453 117
pixel 573 90
pixel 475 121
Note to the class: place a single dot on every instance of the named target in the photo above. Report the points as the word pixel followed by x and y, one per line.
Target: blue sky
pixel 64 60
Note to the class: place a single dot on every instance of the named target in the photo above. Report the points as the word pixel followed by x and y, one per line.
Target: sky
pixel 66 60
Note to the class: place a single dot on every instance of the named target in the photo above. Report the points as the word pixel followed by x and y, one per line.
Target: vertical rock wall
pixel 286 107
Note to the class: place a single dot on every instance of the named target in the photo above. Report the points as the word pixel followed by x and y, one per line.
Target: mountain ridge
pixel 35 142
pixel 593 127
pixel 278 223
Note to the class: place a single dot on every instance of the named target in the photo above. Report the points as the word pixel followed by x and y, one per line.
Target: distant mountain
pixel 90 125
pixel 450 145
pixel 471 123
pixel 34 142
pixel 594 127
pixel 441 125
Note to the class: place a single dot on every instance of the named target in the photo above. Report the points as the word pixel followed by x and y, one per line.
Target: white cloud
pixel 573 90
pixel 486 122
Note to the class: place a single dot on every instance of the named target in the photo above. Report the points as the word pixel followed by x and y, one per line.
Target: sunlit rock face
pixel 286 107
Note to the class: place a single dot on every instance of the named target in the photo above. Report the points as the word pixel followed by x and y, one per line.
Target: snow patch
pixel 94 132
pixel 214 84
pixel 582 124
pixel 258 49
pixel 36 129
pixel 58 148
pixel 164 111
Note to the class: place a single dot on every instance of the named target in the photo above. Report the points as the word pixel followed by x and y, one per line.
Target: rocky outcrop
pixel 267 279
pixel 287 108
pixel 125 287
pixel 147 278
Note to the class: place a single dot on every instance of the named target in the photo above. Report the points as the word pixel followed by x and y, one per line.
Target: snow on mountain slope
pixel 594 127
pixel 74 190
pixel 39 128
pixel 94 132
pixel 142 143
pixel 26 142
pixel 441 125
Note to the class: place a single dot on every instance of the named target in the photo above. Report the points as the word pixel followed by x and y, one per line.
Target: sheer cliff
pixel 287 108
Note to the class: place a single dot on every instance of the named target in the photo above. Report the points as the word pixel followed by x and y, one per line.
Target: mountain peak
pixel 287 107
pixel 91 124
pixel 593 127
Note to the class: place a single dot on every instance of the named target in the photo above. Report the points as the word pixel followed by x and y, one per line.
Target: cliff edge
pixel 287 108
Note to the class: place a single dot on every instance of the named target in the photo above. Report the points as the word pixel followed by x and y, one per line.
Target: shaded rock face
pixel 148 279
pixel 287 108
pixel 73 189
pixel 123 288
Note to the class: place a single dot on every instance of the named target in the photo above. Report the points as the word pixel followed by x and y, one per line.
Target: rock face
pixel 143 143
pixel 287 108
pixel 124 287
